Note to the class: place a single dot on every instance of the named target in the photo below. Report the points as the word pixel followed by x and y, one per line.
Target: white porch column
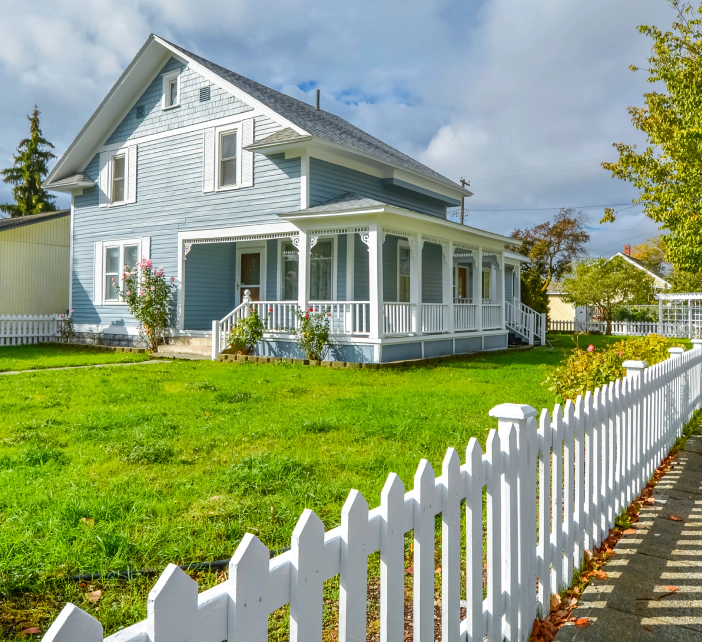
pixel 350 266
pixel 375 280
pixel 416 284
pixel 447 283
pixel 303 270
pixel 478 289
pixel 503 290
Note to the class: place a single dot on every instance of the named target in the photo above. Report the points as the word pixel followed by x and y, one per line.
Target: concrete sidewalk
pixel 654 585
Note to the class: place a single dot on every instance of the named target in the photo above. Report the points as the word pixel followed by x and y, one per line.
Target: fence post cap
pixel 512 411
pixel 697 344
pixel 634 365
pixel 673 352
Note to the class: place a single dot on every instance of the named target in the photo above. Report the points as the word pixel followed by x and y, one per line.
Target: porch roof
pixel 350 204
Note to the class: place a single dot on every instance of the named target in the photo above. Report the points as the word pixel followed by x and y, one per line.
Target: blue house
pixel 234 187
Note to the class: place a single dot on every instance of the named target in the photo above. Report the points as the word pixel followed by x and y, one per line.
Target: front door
pixel 249 274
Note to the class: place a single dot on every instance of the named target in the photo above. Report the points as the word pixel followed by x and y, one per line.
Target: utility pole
pixel 464 182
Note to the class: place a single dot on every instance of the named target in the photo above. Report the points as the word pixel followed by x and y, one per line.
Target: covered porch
pixel 397 284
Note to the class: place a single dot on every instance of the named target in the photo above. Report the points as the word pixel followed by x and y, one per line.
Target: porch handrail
pixel 525 321
pixel 398 318
pixel 465 316
pixel 491 316
pixel 345 317
pixel 434 317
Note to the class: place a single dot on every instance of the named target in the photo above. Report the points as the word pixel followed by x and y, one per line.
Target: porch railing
pixel 491 316
pixel 464 317
pixel 347 317
pixel 434 317
pixel 398 318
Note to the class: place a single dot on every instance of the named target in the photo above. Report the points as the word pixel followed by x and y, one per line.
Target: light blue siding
pixel 432 265
pixel 210 275
pixel 328 180
pixel 341 267
pixel 361 290
pixel 390 268
pixel 169 200
pixel 190 111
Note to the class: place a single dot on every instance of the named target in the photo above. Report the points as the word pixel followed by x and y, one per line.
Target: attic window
pixel 140 112
pixel 204 94
pixel 171 90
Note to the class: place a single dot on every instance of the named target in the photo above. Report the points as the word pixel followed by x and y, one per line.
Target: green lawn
pixel 37 356
pixel 114 468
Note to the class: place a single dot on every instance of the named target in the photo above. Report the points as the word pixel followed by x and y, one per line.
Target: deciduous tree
pixel 651 253
pixel 668 171
pixel 606 284
pixel 28 174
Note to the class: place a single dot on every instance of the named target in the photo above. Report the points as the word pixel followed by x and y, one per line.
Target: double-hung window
pixel 171 90
pixel 486 286
pixel 403 272
pixel 119 175
pixel 118 258
pixel 291 261
pixel 321 271
pixel 227 159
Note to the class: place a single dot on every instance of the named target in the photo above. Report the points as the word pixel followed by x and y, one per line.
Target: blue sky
pixel 524 99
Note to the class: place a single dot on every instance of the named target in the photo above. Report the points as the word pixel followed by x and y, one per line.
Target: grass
pixel 38 356
pixel 108 469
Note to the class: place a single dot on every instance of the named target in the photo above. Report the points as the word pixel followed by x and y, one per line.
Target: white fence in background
pixel 624 328
pixel 21 330
pixel 554 488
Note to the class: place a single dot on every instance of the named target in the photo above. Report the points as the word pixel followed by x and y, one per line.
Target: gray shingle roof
pixel 72 180
pixel 31 219
pixel 318 122
pixel 282 136
pixel 344 203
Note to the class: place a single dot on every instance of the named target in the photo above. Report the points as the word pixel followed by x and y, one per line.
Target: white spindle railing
pixel 464 316
pixel 491 316
pixel 398 318
pixel 346 317
pixel 631 328
pixel 553 487
pixel 25 329
pixel 434 317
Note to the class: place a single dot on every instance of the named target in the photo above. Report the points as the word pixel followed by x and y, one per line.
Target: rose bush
pixel 247 332
pixel 149 296
pixel 66 332
pixel 312 333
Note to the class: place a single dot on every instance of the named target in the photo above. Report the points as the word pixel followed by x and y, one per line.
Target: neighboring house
pixel 232 186
pixel 34 264
pixel 559 310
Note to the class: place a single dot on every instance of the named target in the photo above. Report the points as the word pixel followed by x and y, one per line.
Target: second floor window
pixel 117 257
pixel 227 160
pixel 118 179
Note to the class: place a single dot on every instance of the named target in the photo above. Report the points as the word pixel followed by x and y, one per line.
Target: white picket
pixel 28 329
pixel 392 561
pixel 572 473
pixel 452 495
pixel 171 610
pixel 424 533
pixel 475 481
pixel 353 574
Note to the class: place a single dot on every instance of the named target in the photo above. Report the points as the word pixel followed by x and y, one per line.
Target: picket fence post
pixel 392 561
pixel 74 625
pixel 171 610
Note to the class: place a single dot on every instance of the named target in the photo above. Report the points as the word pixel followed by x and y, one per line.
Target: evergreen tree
pixel 28 174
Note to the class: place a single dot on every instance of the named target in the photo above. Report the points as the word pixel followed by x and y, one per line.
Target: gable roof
pixel 640 265
pixel 31 219
pixel 297 117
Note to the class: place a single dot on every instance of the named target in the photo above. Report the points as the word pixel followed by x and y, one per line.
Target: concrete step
pixel 187 345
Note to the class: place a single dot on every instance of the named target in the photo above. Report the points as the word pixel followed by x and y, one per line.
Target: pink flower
pixel 328 314
pixel 307 316
pixel 311 309
pixel 141 291
pixel 63 315
pixel 270 309
pixel 591 348
pixel 172 279
pixel 129 293
pixel 620 353
pixel 72 311
pixel 153 288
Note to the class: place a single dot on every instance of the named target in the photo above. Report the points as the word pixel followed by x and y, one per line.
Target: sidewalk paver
pixel 653 589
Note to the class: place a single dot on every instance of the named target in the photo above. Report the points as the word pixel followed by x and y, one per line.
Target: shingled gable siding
pixel 169 200
pixel 190 111
pixel 329 181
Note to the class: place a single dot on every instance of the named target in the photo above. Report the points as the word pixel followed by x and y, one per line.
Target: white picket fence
pixel 625 328
pixel 548 500
pixel 21 330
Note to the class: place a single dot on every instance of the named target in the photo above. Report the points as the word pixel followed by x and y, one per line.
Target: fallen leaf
pixel 437 570
pixel 88 521
pixel 630 531
pixel 600 575
pixel 409 570
pixel 672 589
pixel 675 519
pixel 649 501
pixel 648 628
pixel 555 602
pixel 94 596
pixel 32 630
pixel 582 622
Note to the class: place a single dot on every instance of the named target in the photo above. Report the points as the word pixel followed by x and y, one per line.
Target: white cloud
pixel 471 89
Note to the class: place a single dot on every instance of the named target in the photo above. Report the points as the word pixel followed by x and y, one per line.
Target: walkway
pixel 654 586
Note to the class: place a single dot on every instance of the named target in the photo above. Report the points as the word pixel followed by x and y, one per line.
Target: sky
pixel 523 99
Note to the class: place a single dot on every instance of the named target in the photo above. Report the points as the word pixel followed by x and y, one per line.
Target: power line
pixel 523 169
pixel 543 209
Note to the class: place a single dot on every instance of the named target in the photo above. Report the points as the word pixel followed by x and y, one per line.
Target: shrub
pixel 149 297
pixel 65 327
pixel 584 370
pixel 247 332
pixel 312 333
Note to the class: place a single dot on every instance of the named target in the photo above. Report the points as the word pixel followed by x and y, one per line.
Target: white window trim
pixel 402 243
pixel 219 132
pixel 280 285
pixel 166 86
pixel 121 244
pixel 124 151
pixel 245 248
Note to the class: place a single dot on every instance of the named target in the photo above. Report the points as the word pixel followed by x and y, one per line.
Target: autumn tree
pixel 651 253
pixel 553 246
pixel 28 174
pixel 606 284
pixel 668 171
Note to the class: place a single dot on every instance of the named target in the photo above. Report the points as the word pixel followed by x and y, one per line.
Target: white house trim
pixel 167 78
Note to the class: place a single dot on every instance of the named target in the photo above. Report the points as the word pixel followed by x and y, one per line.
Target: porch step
pixel 187 345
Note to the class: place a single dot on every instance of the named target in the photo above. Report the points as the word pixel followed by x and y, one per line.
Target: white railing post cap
pixel 634 365
pixel 514 411
pixel 676 352
pixel 697 344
